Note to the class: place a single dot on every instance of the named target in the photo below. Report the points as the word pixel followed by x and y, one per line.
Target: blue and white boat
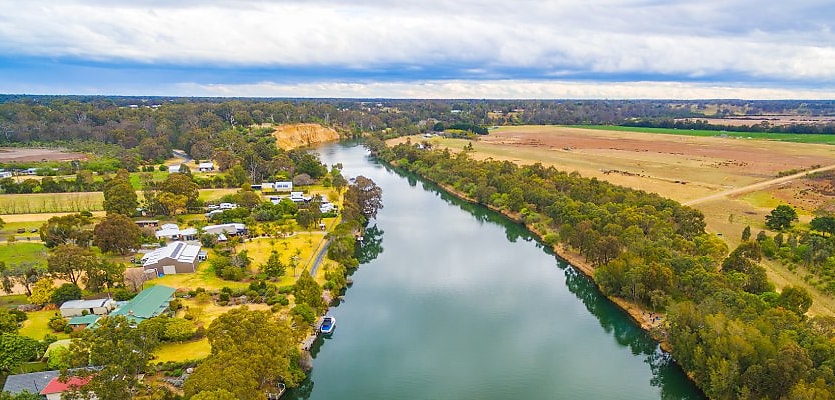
pixel 328 324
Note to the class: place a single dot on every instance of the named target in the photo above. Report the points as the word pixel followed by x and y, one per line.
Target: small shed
pixel 206 166
pixel 75 308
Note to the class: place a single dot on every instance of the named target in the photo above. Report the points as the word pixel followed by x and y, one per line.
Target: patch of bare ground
pixel 14 154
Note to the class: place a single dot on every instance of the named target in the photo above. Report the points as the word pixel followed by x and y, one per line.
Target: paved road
pixel 756 186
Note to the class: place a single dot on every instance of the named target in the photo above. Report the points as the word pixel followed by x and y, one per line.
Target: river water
pixel 453 301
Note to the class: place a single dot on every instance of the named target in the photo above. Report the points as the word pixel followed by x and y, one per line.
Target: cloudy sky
pixel 420 48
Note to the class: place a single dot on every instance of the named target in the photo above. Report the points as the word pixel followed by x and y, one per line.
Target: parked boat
pixel 328 324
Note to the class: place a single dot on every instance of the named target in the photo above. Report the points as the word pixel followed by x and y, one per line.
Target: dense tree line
pixel 726 325
pixel 758 127
pixel 134 130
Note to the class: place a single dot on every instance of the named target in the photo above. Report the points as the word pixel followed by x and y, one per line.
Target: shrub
pixel 57 323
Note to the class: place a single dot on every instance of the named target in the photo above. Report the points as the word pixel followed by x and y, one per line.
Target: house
pixel 147 304
pixel 327 207
pixel 299 197
pixel 5 174
pixel 32 383
pixel 283 186
pixel 233 229
pixel 74 308
pixel 148 222
pixel 206 166
pixel 168 231
pixel 173 232
pixel 228 206
pixel 55 387
pixel 176 258
pixel 173 169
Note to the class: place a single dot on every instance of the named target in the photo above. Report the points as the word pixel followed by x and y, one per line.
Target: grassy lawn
pixel 204 277
pixel 13 300
pixel 214 194
pixel 305 243
pixel 51 202
pixel 36 326
pixel 785 137
pixel 22 252
pixel 192 350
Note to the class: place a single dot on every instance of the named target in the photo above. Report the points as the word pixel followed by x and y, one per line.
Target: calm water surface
pixel 454 302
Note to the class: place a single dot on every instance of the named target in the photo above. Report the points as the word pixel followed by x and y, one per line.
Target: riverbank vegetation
pixel 725 324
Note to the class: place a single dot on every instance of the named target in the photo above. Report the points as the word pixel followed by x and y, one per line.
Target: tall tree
pixel 245 367
pixel 117 234
pixel 363 198
pixel 120 352
pixel 69 261
pixel 67 229
pixel 119 197
pixel 781 217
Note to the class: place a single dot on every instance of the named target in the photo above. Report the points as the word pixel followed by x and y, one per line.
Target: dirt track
pixel 756 186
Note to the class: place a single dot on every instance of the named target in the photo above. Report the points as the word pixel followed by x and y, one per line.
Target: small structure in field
pixel 206 166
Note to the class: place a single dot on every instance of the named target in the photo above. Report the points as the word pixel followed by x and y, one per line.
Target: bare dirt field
pixel 683 168
pixel 13 154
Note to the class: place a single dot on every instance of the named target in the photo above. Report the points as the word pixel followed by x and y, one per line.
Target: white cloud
pixel 499 89
pixel 743 38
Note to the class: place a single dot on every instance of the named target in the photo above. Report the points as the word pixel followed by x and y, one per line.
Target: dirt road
pixel 756 186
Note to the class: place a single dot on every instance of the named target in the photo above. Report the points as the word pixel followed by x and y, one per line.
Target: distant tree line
pixel 758 127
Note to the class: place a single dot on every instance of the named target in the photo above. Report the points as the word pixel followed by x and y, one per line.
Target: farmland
pixel 681 167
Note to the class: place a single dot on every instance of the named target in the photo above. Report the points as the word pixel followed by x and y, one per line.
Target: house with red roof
pixel 55 387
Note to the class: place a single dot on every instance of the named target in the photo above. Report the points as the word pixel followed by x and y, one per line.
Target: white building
pixel 206 166
pixel 74 308
pixel 233 229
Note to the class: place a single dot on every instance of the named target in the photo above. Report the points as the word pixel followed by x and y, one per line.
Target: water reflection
pixel 371 245
pixel 666 374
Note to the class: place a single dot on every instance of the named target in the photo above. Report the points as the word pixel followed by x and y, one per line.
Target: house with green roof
pixel 147 304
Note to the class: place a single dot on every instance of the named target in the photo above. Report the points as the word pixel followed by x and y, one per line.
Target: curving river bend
pixel 453 301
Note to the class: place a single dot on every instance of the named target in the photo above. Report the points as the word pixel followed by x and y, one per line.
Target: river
pixel 453 301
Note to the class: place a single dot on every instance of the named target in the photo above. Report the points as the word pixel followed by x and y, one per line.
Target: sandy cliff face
pixel 292 136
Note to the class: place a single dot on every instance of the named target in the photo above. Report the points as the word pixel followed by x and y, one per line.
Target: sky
pixel 547 49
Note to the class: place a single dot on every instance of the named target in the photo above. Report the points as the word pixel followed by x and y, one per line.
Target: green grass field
pixel 21 252
pixel 51 202
pixel 193 350
pixel 784 137
pixel 36 326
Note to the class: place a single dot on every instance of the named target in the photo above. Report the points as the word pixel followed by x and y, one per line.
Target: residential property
pixel 5 174
pixel 299 197
pixel 32 383
pixel 175 258
pixel 173 169
pixel 283 186
pixel 233 229
pixel 206 166
pixel 55 387
pixel 148 222
pixel 147 304
pixel 173 232
pixel 74 308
